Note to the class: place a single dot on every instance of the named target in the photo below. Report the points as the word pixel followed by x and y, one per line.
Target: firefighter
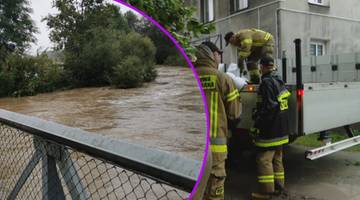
pixel 252 44
pixel 270 131
pixel 223 101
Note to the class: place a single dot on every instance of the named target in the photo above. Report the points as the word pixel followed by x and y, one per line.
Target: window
pixel 207 10
pixel 319 2
pixel 236 5
pixel 317 48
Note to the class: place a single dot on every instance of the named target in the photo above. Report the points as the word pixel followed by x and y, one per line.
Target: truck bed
pixel 324 106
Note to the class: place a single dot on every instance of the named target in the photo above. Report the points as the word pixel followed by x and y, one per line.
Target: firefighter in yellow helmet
pixel 253 44
pixel 223 101
pixel 270 132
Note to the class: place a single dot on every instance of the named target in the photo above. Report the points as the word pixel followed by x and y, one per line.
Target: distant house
pixel 324 26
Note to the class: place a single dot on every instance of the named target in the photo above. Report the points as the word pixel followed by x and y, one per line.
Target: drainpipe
pixel 258 18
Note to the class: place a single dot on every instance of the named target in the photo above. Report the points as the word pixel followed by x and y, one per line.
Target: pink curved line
pixel 167 33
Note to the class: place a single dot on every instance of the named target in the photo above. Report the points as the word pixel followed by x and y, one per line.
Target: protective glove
pixel 239 81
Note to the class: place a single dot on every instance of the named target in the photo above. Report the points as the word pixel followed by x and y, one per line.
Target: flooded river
pixel 166 114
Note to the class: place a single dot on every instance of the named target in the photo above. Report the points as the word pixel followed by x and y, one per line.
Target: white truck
pixel 316 105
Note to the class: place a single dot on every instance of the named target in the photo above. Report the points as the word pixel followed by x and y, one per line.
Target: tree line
pixel 95 45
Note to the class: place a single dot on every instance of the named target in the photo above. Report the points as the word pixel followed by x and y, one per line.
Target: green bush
pixel 150 73
pixel 142 47
pixel 129 73
pixel 92 63
pixel 30 75
pixel 95 63
pixel 7 83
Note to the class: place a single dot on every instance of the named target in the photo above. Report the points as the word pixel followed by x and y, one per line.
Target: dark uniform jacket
pixel 271 116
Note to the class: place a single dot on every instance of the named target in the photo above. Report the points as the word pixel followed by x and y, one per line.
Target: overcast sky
pixel 42 8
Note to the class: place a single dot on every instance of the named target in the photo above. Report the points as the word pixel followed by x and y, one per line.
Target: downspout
pixel 258 18
pixel 277 32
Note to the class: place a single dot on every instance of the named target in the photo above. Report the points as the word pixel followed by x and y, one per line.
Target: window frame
pixel 324 3
pixel 316 2
pixel 318 43
pixel 234 9
pixel 205 11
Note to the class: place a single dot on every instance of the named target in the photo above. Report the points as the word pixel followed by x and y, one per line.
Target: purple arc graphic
pixel 178 46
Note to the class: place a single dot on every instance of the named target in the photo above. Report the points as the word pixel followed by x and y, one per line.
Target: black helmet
pixel 267 61
pixel 227 37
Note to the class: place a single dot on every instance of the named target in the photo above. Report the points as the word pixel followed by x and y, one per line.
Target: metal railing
pixel 326 68
pixel 45 160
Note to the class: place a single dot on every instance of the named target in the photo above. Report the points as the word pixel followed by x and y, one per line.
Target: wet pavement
pixel 167 114
pixel 334 177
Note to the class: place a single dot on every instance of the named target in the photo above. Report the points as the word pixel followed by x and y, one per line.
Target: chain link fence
pixel 36 167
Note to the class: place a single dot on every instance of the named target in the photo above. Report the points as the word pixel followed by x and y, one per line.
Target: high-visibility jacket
pixel 223 101
pixel 248 39
pixel 272 117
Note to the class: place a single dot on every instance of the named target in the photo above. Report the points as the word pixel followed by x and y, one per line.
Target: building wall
pixel 337 24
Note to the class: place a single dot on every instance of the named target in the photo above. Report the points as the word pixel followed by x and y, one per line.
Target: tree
pixel 16 27
pixel 164 46
pixel 69 27
pixel 96 39
pixel 86 31
pixel 132 20
pixel 176 17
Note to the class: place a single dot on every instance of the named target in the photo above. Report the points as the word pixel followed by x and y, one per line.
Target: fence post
pixel 52 188
pixel 71 177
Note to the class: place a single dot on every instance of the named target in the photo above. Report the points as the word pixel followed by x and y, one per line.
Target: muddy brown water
pixel 166 114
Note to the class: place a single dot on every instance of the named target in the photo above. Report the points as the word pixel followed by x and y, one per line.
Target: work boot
pixel 260 196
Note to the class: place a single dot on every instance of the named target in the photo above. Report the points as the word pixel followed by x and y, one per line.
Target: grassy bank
pixel 311 140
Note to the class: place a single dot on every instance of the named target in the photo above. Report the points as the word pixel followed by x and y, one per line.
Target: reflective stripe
pixel 214 114
pixel 218 141
pixel 267 36
pixel 272 140
pixel 218 148
pixel 247 41
pixel 271 144
pixel 244 53
pixel 266 177
pixel 283 99
pixel 233 95
pixel 279 175
pixel 266 181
